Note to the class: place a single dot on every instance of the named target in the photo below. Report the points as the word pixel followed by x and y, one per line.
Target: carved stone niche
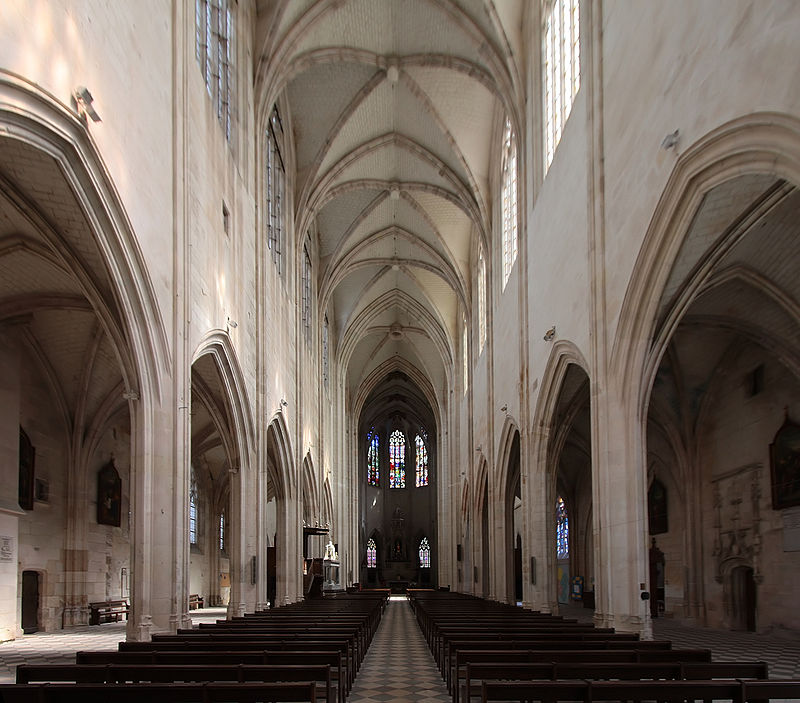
pixel 737 521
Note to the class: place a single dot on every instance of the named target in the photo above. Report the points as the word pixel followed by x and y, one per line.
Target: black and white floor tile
pixel 398 667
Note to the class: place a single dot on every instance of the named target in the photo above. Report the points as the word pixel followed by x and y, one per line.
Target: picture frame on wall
pixel 784 455
pixel 109 496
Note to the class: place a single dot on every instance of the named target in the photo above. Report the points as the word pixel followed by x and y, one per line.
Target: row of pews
pixel 308 651
pixel 488 651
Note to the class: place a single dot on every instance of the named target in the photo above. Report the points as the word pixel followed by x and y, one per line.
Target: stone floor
pixel 398 667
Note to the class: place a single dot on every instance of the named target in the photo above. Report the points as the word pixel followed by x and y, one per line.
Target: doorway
pixel 743 599
pixel 30 602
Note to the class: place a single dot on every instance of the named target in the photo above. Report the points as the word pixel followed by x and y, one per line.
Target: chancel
pixel 487 298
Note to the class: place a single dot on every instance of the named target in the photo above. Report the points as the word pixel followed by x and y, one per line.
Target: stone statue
pixel 330 552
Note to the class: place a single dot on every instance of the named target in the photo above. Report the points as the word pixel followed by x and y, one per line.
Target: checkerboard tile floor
pixel 60 647
pixel 780 651
pixel 398 667
pixel 399 648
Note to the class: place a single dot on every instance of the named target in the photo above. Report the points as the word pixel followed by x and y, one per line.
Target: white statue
pixel 330 552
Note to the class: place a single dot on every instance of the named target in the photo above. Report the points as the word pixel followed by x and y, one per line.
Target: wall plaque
pixel 6 548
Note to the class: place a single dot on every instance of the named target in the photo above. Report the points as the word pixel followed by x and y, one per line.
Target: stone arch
pixel 761 142
pixel 281 573
pixel 541 491
pixel 100 256
pixel 311 505
pixel 671 293
pixel 509 481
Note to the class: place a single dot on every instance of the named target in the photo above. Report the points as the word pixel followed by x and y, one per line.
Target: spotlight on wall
pixel 232 323
pixel 548 336
pixel 283 402
pixel 84 99
pixel 504 409
pixel 671 140
pixel 479 448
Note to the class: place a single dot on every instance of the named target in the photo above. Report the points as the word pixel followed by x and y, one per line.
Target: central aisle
pixel 398 667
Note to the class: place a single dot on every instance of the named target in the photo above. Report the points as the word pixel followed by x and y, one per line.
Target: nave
pixel 398 666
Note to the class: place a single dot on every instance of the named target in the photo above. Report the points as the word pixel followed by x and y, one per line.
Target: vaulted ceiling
pixel 395 106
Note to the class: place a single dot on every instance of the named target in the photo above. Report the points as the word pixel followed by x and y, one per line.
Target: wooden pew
pixel 108 611
pixel 333 658
pixel 475 674
pixel 158 693
pixel 474 656
pixel 168 673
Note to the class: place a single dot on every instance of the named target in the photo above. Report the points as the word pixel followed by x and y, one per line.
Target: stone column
pixel 538 577
pixel 619 486
pixel 9 483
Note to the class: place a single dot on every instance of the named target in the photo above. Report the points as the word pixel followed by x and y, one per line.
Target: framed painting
pixel 784 454
pixel 109 496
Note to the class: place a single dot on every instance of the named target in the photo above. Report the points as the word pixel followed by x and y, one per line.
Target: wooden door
pixel 30 602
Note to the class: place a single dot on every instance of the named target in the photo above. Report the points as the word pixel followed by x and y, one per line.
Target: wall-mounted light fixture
pixel 232 323
pixel 283 402
pixel 479 448
pixel 504 409
pixel 83 101
pixel 548 336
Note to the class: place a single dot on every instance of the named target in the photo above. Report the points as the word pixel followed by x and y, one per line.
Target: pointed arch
pixel 279 458
pixel 758 143
pixel 218 345
pixel 327 503
pixel 36 118
pixel 310 493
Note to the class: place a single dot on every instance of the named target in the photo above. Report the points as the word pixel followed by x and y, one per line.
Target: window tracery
pixel 373 458
pixel 397 460
pixel 509 201
pixel 562 530
pixel 372 554
pixel 424 554
pixel 562 71
pixel 421 455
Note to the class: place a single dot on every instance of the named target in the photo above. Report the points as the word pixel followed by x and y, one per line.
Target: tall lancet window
pixel 373 458
pixel 372 554
pixel 424 554
pixel 421 460
pixel 562 530
pixel 562 68
pixel 214 53
pixel 275 182
pixel 397 460
pixel 481 299
pixel 509 201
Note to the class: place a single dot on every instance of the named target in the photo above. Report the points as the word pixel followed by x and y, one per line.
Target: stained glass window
pixel 372 554
pixel 373 458
pixel 424 554
pixel 562 530
pixel 397 460
pixel 422 461
pixel 193 510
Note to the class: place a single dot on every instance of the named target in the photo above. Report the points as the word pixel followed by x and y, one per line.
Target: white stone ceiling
pixel 393 107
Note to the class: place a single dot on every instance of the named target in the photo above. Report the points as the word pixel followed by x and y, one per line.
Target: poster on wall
pixel 6 548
